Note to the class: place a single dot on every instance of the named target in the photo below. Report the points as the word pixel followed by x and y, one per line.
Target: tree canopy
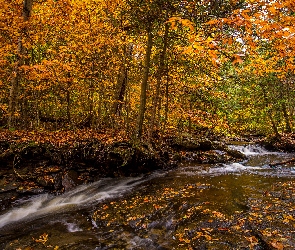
pixel 147 67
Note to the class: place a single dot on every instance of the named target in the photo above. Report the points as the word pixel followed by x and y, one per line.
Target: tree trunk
pixel 189 118
pixel 159 81
pixel 269 113
pixel 128 110
pixel 89 119
pixel 120 90
pixel 144 83
pixel 286 117
pixel 121 82
pixel 167 102
pixel 13 96
pixel 68 97
pixel 273 124
pixel 283 95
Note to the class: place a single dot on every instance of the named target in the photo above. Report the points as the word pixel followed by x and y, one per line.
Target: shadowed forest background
pixel 148 66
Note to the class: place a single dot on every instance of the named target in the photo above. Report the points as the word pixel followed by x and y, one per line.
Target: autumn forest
pixel 145 66
pixel 147 124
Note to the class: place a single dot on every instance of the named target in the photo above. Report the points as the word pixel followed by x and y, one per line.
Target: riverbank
pixel 285 142
pixel 40 161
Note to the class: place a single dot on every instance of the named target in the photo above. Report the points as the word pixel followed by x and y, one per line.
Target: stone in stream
pixel 70 180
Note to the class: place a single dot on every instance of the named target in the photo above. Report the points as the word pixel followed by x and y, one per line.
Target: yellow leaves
pixel 212 22
pixel 266 232
pixel 213 56
pixel 253 241
pixel 181 239
pixel 277 245
pixel 188 23
pixel 288 218
pixel 173 22
pixel 184 22
pixel 237 59
pixel 218 214
pixel 272 10
pixel 244 13
pixel 270 26
pixel 103 217
pixel 42 239
pixel 157 206
pixel 131 218
pixel 201 47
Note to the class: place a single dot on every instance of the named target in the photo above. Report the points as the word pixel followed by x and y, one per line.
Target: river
pixel 246 205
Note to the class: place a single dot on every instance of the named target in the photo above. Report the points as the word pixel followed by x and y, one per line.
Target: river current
pixel 206 206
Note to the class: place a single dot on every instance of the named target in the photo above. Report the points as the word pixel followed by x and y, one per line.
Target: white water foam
pixel 72 227
pixel 85 194
pixel 233 167
pixel 251 149
pixel 218 169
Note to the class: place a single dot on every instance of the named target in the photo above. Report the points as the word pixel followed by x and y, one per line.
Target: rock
pixel 205 145
pixel 231 152
pixel 235 153
pixel 28 188
pixel 70 180
pixel 286 142
pixel 185 144
pixel 67 183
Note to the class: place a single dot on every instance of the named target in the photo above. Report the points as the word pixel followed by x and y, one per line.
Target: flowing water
pixel 245 205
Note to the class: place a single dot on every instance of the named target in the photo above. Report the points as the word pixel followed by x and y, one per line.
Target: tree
pixel 21 51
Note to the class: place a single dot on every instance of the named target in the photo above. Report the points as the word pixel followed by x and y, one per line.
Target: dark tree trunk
pixel 144 83
pixel 13 96
pixel 286 117
pixel 167 102
pixel 68 97
pixel 160 74
pixel 120 90
pixel 269 113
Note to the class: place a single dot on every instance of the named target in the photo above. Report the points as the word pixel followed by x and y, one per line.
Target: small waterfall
pixel 251 149
pixel 84 194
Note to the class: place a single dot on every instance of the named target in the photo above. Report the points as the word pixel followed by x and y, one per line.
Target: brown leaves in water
pixel 270 220
pixel 44 240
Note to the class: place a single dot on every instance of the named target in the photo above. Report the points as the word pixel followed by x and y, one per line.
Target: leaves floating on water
pixel 42 239
pixel 186 222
